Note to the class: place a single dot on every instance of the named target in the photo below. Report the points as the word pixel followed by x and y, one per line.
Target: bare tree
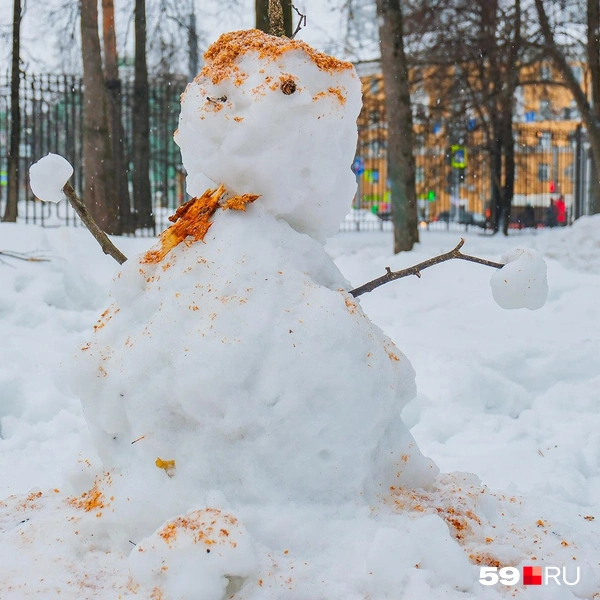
pixel 570 52
pixel 11 209
pixel 117 135
pixel 262 16
pixel 100 192
pixel 142 196
pixel 471 53
pixel 401 162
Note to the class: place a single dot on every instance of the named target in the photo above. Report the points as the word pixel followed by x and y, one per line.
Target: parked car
pixel 464 217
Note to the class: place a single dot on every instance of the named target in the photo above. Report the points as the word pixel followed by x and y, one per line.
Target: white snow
pixel 508 395
pixel 48 176
pixel 522 282
pixel 236 425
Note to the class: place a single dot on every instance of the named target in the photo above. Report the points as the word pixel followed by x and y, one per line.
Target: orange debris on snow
pixel 239 202
pixel 92 499
pixel 192 221
pixel 167 465
pixel 221 56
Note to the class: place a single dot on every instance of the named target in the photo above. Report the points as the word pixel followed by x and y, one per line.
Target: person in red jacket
pixel 561 211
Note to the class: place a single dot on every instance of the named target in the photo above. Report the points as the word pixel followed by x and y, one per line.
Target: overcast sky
pixel 40 49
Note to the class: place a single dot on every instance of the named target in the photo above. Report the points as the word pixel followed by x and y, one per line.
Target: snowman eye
pixel 288 87
pixel 221 99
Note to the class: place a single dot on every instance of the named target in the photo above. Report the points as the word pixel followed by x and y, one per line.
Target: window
pixel 545 72
pixel 544 139
pixel 577 73
pixel 419 140
pixel 375 86
pixel 419 174
pixel 545 110
pixel 374 117
pixel 543 172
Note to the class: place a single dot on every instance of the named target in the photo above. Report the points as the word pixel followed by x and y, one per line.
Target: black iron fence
pixel 453 181
pixel 52 121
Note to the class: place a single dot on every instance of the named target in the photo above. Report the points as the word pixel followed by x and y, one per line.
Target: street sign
pixel 458 156
pixel 358 166
pixel 3 178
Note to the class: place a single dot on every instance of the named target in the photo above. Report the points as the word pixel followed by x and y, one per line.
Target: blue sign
pixel 3 178
pixel 530 116
pixel 358 166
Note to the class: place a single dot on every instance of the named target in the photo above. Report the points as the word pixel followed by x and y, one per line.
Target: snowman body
pixel 240 363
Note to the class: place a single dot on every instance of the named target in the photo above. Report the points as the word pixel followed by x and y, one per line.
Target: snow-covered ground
pixel 508 396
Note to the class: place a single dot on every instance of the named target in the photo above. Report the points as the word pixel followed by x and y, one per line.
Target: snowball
pixel 521 282
pixel 196 555
pixel 48 176
pixel 271 116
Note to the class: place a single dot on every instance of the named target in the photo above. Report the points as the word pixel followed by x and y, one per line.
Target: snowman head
pixel 272 116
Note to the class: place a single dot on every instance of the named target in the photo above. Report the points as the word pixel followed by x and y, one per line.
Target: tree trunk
pixel 115 123
pixel 262 16
pixel 11 208
pixel 142 195
pixel 100 190
pixel 508 189
pixel 192 44
pixel 401 162
pixel 589 108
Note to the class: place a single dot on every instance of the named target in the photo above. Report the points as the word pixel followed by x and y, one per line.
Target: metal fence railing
pixel 453 182
pixel 52 121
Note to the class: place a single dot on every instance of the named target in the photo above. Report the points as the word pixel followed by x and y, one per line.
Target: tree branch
pixel 84 214
pixel 23 256
pixel 301 22
pixel 416 269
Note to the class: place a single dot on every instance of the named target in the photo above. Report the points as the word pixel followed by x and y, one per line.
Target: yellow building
pixel 450 177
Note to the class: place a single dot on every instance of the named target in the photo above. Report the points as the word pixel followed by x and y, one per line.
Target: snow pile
pixel 274 118
pixel 48 176
pixel 195 556
pixel 509 395
pixel 247 413
pixel 522 282
pixel 576 247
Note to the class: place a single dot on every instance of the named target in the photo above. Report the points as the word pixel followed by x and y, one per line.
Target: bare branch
pixel 23 256
pixel 416 269
pixel 301 22
pixel 84 214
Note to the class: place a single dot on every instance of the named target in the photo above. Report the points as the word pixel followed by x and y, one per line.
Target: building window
pixel 419 140
pixel 577 73
pixel 543 172
pixel 419 174
pixel 545 111
pixel 544 139
pixel 374 117
pixel 545 72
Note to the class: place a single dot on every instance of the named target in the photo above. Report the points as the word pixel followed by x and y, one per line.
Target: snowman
pixel 232 360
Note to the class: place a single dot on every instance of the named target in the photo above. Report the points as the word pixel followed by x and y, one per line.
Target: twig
pixel 301 22
pixel 80 208
pixel 416 269
pixel 22 256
